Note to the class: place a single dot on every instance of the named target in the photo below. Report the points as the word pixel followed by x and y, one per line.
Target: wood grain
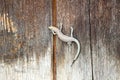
pixel 105 39
pixel 74 13
pixel 25 42
pixel 28 50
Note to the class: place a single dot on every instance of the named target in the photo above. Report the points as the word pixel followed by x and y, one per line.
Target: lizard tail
pixel 78 51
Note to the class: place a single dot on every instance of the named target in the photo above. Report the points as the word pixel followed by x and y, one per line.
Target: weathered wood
pixel 74 13
pixel 26 45
pixel 105 39
pixel 25 42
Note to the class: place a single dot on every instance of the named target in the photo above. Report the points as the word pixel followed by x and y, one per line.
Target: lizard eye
pixel 54 33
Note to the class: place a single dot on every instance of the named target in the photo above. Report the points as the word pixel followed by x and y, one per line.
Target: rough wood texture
pixel 74 13
pixel 105 37
pixel 25 43
pixel 27 47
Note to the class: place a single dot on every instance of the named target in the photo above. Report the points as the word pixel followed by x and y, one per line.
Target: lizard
pixel 67 39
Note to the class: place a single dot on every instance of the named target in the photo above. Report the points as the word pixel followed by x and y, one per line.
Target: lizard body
pixel 67 39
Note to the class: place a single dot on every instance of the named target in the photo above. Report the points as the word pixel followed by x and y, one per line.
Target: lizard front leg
pixel 60 25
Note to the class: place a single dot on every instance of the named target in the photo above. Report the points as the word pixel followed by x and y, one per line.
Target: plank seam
pixel 54 23
pixel 90 34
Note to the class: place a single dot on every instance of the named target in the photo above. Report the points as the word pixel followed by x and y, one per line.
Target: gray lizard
pixel 67 39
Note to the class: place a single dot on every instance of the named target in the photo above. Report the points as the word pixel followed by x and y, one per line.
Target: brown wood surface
pixel 105 39
pixel 28 51
pixel 74 13
pixel 25 42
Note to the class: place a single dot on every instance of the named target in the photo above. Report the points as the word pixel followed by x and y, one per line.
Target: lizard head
pixel 54 29
pixel 51 27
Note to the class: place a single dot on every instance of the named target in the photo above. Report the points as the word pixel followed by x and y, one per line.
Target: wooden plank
pixel 25 42
pixel 105 37
pixel 74 13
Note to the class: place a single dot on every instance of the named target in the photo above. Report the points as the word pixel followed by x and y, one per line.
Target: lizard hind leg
pixel 69 43
pixel 71 31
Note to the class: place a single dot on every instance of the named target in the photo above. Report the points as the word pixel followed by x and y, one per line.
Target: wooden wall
pixel 29 51
pixel 25 41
